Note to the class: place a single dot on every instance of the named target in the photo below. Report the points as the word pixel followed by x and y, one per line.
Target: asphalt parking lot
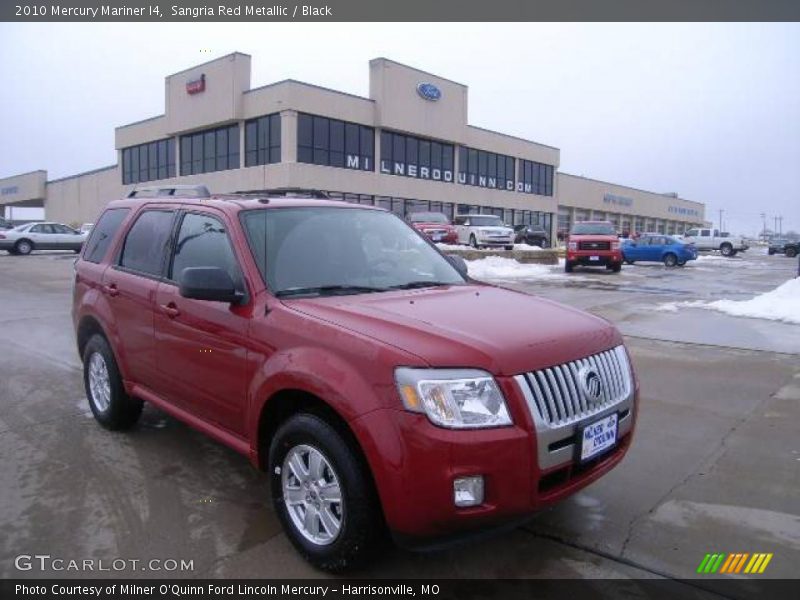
pixel 715 465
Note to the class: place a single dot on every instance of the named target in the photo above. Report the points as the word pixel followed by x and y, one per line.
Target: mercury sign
pixel 429 91
pixel 411 170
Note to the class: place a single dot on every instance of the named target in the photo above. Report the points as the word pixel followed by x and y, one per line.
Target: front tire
pixel 23 247
pixel 616 268
pixel 323 495
pixel 509 247
pixel 791 252
pixel 568 266
pixel 473 241
pixel 110 404
pixel 770 252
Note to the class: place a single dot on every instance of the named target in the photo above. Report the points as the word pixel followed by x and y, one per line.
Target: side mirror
pixel 208 283
pixel 459 263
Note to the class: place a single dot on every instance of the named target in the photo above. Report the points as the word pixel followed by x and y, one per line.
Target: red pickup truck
pixel 593 244
pixel 379 387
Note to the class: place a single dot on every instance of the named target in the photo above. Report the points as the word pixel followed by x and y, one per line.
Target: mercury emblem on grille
pixel 591 384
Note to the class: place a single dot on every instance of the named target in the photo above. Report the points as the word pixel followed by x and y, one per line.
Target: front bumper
pixel 496 241
pixel 597 258
pixel 414 464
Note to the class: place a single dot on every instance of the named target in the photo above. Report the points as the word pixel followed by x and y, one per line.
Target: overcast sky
pixel 711 111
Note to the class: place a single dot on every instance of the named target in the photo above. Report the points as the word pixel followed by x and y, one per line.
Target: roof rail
pixel 177 191
pixel 287 192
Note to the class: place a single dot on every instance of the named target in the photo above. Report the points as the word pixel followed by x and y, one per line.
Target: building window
pixel 535 178
pixel 485 169
pixel 416 157
pixel 210 150
pixel 334 143
pixel 262 140
pixel 148 162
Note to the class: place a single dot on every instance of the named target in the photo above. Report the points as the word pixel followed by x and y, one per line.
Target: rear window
pixel 103 234
pixel 146 245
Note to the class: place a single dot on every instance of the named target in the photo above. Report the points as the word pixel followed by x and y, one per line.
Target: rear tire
pixel 726 249
pixel 770 252
pixel 110 404
pixel 791 252
pixel 473 241
pixel 333 535
pixel 509 247
pixel 670 260
pixel 23 247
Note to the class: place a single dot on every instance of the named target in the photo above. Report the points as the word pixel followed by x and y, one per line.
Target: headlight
pixel 453 398
pixel 615 245
pixel 572 245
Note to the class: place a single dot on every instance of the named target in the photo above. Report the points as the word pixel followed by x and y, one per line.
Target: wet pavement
pixel 715 464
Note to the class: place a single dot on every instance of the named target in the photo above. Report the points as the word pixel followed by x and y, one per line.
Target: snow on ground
pixel 517 247
pixel 780 304
pixel 497 267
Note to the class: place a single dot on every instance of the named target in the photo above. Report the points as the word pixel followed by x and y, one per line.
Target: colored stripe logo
pixel 739 562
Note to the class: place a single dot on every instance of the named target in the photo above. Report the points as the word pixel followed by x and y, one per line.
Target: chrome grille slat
pixel 554 415
pixel 558 395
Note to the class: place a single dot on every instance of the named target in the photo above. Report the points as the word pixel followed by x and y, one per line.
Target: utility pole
pixel 780 226
pixel 775 227
pixel 763 227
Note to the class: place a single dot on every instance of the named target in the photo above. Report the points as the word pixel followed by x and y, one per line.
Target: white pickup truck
pixel 710 239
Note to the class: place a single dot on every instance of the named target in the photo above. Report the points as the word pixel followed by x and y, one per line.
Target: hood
pixel 502 331
pixel 579 237
pixel 426 225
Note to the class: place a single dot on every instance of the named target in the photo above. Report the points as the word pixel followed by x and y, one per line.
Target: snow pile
pixel 517 247
pixel 497 267
pixel 718 258
pixel 780 304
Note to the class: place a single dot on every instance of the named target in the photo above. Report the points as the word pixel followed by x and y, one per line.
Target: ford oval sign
pixel 429 91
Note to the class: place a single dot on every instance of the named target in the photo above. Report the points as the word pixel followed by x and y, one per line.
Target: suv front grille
pixel 559 396
pixel 594 246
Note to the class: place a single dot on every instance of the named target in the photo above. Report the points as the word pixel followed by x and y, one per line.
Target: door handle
pixel 111 289
pixel 170 310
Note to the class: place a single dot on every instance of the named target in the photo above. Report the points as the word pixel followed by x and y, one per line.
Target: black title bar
pixel 399 10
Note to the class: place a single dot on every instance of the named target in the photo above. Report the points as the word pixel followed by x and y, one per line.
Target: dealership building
pixel 408 147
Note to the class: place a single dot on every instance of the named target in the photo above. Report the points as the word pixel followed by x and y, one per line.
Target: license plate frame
pixel 594 258
pixel 584 454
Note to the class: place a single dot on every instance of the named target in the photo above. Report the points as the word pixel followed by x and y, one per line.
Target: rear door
pixel 65 238
pixel 201 346
pixel 41 235
pixel 130 286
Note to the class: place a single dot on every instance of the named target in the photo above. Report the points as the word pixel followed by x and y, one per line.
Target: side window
pixel 705 233
pixel 691 233
pixel 146 243
pixel 62 229
pixel 203 242
pixel 37 229
pixel 103 234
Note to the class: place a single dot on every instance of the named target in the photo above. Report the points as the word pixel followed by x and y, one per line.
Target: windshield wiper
pixel 418 284
pixel 328 289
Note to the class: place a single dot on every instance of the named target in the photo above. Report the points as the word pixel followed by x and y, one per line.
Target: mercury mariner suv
pixel 380 388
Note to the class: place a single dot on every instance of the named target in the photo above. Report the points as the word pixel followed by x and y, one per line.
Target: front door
pixel 201 345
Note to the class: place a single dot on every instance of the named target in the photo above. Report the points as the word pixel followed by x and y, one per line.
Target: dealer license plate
pixel 598 437
pixel 594 258
pixel 437 237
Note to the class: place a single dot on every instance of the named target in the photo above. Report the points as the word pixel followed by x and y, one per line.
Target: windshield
pixel 485 221
pixel 593 229
pixel 428 217
pixel 327 250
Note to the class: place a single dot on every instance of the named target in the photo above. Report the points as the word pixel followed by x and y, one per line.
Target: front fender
pixel 320 372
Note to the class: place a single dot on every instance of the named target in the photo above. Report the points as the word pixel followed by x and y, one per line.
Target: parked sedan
pixel 41 236
pixel 658 248
pixel 533 235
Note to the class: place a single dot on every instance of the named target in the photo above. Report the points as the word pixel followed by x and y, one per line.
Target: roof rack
pixel 176 191
pixel 287 192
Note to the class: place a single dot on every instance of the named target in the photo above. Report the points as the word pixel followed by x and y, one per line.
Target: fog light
pixel 468 491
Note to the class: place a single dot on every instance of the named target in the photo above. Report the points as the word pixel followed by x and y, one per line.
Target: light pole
pixel 763 227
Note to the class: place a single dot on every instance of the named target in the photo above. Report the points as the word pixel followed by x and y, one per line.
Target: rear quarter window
pixel 103 234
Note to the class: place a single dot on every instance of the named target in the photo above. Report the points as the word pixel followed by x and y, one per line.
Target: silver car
pixel 41 236
pixel 481 231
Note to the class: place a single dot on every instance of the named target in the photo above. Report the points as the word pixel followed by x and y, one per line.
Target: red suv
pixel 593 244
pixel 379 387
pixel 434 225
